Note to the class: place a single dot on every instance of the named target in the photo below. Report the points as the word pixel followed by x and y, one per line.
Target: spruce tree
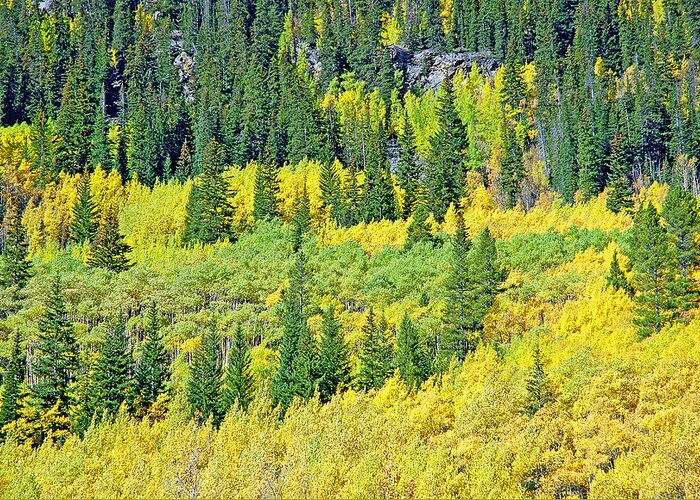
pixel 108 249
pixel 616 278
pixel 183 169
pixel 619 196
pixel 459 337
pixel 301 220
pixel 680 214
pixel 12 382
pixel 84 220
pixel 538 392
pixel 16 269
pixel 378 200
pixel 296 373
pixel 411 358
pixel 209 215
pixel 446 171
pixel 486 276
pixel 512 170
pixel 333 362
pixel 266 191
pixel 418 230
pixel 238 380
pixel 56 361
pixel 152 370
pixel 409 172
pixel 651 254
pixel 375 354
pixel 204 382
pixel 112 378
pixel 332 190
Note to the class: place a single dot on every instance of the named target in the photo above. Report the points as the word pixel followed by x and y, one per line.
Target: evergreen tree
pixel 108 249
pixel 378 201
pixel 296 373
pixel 332 190
pixel 112 378
pixel 16 269
pixel 152 370
pixel 459 337
pixel 448 148
pixel 301 220
pixel 418 230
pixel 183 169
pixel 680 214
pixel 209 214
pixel 238 381
pixel 266 193
pixel 512 171
pixel 538 392
pixel 616 278
pixel 56 362
pixel 333 363
pixel 411 358
pixel 619 196
pixel 12 381
pixel 651 254
pixel 486 276
pixel 375 354
pixel 204 382
pixel 83 225
pixel 409 172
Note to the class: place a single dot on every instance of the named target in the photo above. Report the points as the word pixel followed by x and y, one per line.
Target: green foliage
pixel 512 170
pixel 333 361
pixel 209 214
pixel 56 356
pixel 539 393
pixel 152 370
pixel 411 357
pixel 620 190
pixel 238 382
pixel 108 250
pixel 616 278
pixel 651 254
pixel 409 172
pixel 16 269
pixel 266 191
pixel 204 380
pixel 376 357
pixel 112 377
pixel 85 219
pixel 12 381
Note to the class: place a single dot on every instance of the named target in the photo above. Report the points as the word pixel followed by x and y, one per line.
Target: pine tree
pixel 619 196
pixel 448 148
pixel 152 370
pixel 12 381
pixel 538 392
pixel 333 363
pixel 296 373
pixel 16 269
pixel 409 172
pixel 209 215
pixel 616 278
pixel 378 201
pixel 651 254
pixel 108 249
pixel 411 358
pixel 512 171
pixel 204 382
pixel 680 214
pixel 112 378
pixel 458 337
pixel 56 362
pixel 238 381
pixel 301 220
pixel 332 190
pixel 419 229
pixel 266 192
pixel 84 221
pixel 375 355
pixel 486 276
pixel 183 169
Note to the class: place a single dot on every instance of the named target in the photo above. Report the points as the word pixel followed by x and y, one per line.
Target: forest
pixel 349 248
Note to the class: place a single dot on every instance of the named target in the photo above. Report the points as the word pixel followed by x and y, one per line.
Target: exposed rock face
pixel 428 69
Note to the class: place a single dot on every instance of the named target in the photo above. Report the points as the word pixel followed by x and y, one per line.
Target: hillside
pixel 349 248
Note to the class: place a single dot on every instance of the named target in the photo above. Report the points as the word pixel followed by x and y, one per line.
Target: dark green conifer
pixel 411 358
pixel 238 380
pixel 409 172
pixel 375 354
pixel 85 220
pixel 12 382
pixel 204 382
pixel 512 170
pixel 209 214
pixel 616 278
pixel 56 356
pixel 266 192
pixel 112 377
pixel 152 370
pixel 418 230
pixel 619 196
pixel 108 249
pixel 16 268
pixel 333 363
pixel 332 190
pixel 538 392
